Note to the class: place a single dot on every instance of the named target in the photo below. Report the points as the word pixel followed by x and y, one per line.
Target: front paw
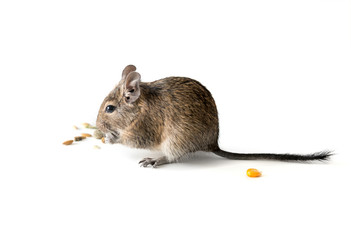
pixel 153 162
pixel 148 162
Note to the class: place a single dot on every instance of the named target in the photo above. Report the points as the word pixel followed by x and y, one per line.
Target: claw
pixel 153 162
pixel 148 161
pixel 145 159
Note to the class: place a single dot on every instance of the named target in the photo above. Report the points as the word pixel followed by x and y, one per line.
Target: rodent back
pixel 186 109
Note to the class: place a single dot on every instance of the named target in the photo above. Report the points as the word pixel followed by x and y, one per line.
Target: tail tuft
pixel 321 156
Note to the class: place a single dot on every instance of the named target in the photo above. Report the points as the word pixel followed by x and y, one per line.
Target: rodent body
pixel 171 121
pixel 175 115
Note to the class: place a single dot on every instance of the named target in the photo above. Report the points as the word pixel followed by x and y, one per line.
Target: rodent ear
pixel 128 69
pixel 131 87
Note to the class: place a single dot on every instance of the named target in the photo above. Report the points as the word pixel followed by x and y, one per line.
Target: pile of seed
pixel 97 134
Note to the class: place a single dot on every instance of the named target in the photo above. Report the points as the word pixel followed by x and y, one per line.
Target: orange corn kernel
pixel 253 172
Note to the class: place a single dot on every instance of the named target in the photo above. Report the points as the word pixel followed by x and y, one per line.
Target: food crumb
pixel 253 172
pixel 69 142
pixel 79 138
pixel 86 135
pixel 86 125
pixel 98 134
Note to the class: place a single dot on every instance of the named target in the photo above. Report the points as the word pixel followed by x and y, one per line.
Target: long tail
pixel 321 156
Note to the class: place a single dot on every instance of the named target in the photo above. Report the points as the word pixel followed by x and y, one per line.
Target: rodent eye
pixel 110 108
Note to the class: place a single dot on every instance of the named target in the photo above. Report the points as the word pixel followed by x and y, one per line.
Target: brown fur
pixel 176 115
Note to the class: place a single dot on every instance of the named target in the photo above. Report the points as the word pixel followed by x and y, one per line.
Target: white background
pixel 278 70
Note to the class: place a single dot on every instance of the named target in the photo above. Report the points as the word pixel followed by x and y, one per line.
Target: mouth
pixel 112 137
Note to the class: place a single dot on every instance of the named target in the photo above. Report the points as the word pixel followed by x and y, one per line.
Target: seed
pixel 98 134
pixel 75 127
pixel 86 125
pixel 252 172
pixel 103 140
pixel 96 147
pixel 86 135
pixel 79 138
pixel 69 142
